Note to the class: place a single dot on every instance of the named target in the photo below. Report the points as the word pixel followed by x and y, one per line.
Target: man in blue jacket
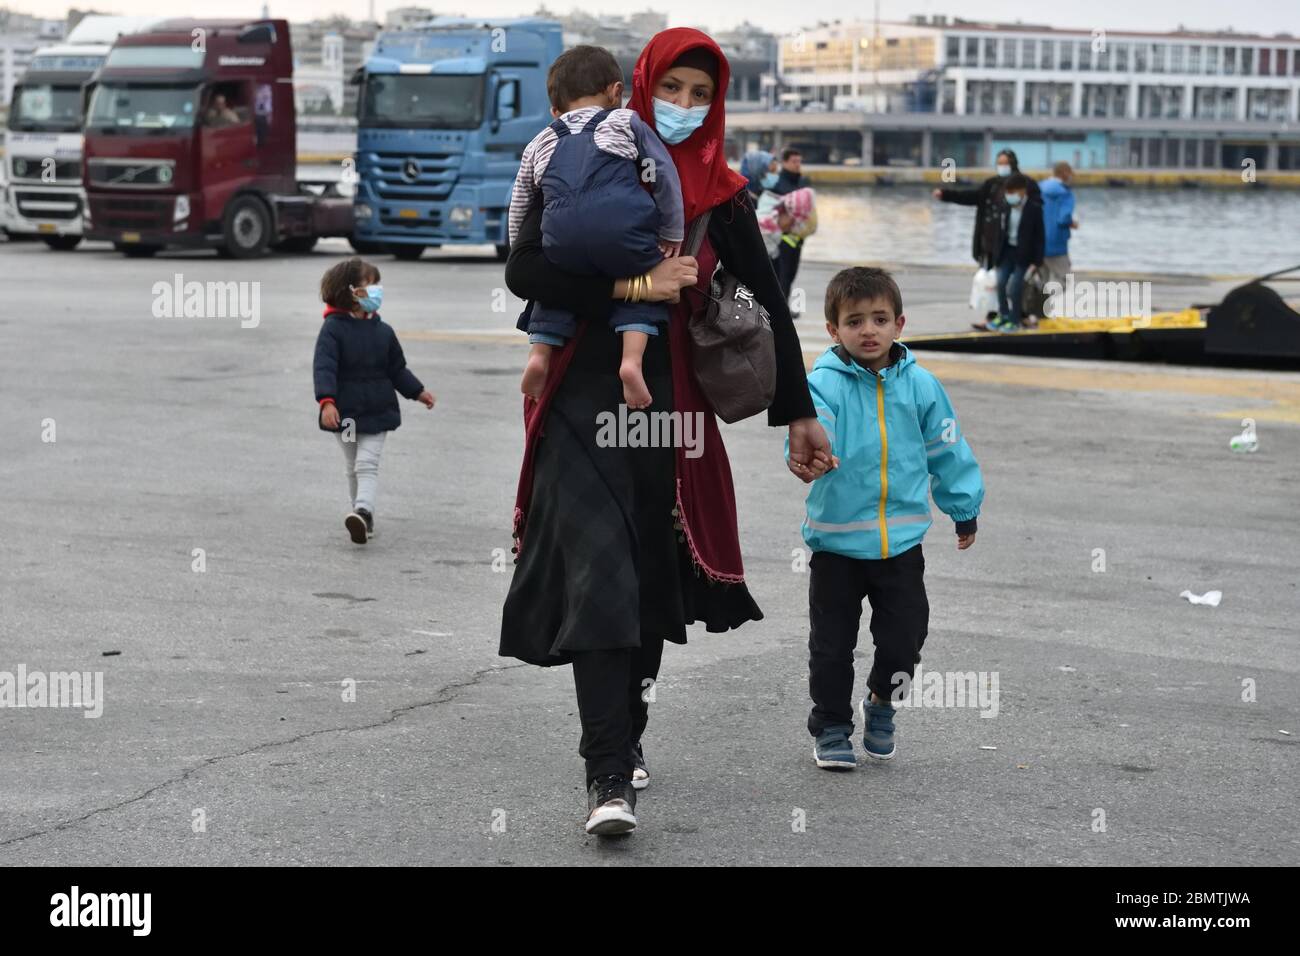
pixel 897 442
pixel 1058 220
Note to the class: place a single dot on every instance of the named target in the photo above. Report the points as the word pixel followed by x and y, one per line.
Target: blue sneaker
pixel 833 749
pixel 878 729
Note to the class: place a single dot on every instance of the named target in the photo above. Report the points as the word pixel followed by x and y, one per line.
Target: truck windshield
pixel 44 108
pixel 131 108
pixel 422 101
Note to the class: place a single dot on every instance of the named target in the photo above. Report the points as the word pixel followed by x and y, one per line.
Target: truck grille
pixel 131 213
pixel 66 172
pixel 130 173
pixel 34 204
pixel 418 176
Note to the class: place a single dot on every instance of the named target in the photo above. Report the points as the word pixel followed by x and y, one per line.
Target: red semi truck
pixel 191 140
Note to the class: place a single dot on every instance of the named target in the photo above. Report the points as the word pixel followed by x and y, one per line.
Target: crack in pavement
pixel 445 694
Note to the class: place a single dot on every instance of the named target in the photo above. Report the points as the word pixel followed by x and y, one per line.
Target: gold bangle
pixel 649 285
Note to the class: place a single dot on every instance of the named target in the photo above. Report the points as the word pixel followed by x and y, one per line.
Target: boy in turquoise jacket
pixel 897 442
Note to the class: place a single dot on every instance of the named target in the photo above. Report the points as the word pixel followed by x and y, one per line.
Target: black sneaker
pixel 640 772
pixel 611 801
pixel 370 521
pixel 356 525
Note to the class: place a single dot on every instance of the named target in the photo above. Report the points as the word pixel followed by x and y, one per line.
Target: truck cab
pixel 43 195
pixel 191 141
pixel 444 113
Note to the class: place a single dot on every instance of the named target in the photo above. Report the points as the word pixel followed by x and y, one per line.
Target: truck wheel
pixel 63 243
pixel 405 252
pixel 247 230
pixel 133 250
pixel 364 248
pixel 503 251
pixel 296 244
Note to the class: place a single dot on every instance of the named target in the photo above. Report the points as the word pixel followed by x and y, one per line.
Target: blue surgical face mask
pixel 1013 199
pixel 675 123
pixel 1004 169
pixel 770 180
pixel 371 300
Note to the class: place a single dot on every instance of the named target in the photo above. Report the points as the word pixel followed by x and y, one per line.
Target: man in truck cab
pixel 220 113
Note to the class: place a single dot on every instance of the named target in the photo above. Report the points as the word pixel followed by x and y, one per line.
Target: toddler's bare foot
pixel 534 379
pixel 635 392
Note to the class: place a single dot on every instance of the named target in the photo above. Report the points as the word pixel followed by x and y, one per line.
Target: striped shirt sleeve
pixel 528 180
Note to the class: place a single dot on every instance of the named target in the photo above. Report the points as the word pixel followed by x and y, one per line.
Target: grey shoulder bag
pixel 734 353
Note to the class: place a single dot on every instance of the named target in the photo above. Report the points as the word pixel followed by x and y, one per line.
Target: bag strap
pixel 695 235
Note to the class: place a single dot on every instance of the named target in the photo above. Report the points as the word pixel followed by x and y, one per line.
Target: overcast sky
pixel 1262 16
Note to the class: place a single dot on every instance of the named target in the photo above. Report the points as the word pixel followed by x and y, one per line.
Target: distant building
pixel 1096 98
pixel 21 35
pixel 324 48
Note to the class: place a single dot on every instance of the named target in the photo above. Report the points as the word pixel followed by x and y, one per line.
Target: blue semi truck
pixel 443 115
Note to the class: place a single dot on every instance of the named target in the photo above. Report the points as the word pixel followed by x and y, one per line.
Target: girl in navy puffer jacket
pixel 359 364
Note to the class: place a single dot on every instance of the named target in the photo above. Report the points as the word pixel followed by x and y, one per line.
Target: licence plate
pixel 45 227
pixel 130 237
pixel 408 214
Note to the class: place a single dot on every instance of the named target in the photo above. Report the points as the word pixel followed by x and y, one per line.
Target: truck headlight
pixel 362 211
pixel 182 210
pixel 461 215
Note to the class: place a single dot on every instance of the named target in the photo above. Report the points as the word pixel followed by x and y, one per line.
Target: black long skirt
pixel 601 562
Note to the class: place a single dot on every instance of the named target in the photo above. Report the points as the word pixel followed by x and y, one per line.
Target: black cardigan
pixel 734 235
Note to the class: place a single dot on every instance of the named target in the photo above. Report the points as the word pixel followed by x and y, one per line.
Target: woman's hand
pixel 810 450
pixel 329 416
pixel 671 276
pixel 426 398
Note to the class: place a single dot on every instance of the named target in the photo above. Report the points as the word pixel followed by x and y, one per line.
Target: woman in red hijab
pixel 620 547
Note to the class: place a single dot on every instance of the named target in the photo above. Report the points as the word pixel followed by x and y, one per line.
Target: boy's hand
pixel 964 541
pixel 670 250
pixel 426 398
pixel 329 416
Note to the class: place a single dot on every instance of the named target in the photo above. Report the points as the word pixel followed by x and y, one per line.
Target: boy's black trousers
pixel 900 618
pixel 613 703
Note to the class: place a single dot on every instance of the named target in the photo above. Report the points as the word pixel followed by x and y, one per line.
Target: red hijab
pixel 700 159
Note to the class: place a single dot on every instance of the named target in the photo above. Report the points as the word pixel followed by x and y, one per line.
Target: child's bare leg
pixel 539 362
pixel 635 392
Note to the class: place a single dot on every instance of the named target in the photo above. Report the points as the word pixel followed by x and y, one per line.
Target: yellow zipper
pixel 884 464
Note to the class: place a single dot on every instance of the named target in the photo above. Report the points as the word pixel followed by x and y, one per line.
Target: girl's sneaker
pixel 356 525
pixel 833 749
pixel 878 729
pixel 640 772
pixel 611 803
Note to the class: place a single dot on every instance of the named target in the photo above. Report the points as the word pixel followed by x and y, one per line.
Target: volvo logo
pixel 410 170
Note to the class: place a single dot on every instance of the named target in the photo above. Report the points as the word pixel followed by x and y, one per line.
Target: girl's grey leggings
pixel 361 457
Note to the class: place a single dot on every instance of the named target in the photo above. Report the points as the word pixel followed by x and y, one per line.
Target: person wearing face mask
pixel 760 170
pixel 358 367
pixel 987 237
pixel 620 548
pixel 1022 250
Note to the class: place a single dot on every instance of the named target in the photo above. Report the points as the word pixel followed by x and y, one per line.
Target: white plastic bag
pixel 984 291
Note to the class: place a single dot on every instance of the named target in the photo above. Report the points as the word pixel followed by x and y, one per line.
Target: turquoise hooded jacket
pixel 899 442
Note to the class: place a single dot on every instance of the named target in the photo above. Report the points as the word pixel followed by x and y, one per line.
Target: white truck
pixel 42 172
